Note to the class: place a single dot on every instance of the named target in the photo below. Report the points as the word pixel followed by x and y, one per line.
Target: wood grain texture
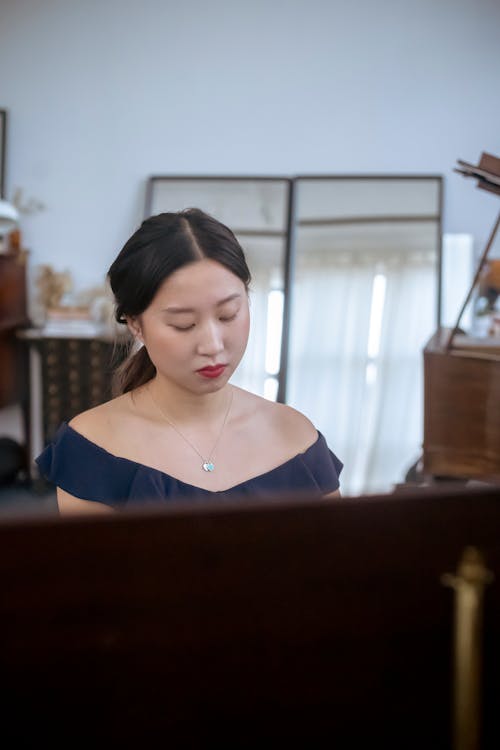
pixel 461 411
pixel 244 623
pixel 13 316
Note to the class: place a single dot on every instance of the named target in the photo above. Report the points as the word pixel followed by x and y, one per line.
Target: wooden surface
pixel 12 317
pixel 462 408
pixel 309 623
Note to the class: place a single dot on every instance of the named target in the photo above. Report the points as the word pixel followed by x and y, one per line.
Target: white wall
pixel 103 93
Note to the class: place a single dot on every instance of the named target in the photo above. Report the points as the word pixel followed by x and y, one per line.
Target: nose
pixel 210 341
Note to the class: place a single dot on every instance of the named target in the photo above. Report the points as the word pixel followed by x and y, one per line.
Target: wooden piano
pixel 462 381
pixel 246 623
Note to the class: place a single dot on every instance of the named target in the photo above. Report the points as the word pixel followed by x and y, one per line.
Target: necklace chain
pixel 208 464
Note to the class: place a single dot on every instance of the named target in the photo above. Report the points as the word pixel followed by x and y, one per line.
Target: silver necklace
pixel 207 463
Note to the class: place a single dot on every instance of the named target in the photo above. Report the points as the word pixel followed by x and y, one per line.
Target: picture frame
pixel 3 151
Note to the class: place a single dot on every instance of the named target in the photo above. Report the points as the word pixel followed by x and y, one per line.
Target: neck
pixel 184 407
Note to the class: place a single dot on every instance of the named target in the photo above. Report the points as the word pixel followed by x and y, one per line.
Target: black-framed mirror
pixel 346 289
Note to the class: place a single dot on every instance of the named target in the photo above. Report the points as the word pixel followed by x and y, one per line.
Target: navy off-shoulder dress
pixel 87 471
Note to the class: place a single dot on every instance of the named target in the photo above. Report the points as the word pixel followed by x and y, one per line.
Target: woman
pixel 179 428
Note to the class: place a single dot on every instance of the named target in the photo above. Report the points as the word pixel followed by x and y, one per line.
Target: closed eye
pixel 228 318
pixel 182 328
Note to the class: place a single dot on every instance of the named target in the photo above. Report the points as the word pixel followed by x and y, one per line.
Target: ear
pixel 134 326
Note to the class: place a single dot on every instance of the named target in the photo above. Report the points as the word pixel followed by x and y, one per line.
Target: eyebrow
pixel 178 310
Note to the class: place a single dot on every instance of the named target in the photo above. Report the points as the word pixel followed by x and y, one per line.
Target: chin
pixel 212 386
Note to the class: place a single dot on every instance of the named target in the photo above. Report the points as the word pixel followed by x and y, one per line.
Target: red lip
pixel 212 371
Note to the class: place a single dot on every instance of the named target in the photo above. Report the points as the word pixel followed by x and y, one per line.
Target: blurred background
pixel 102 95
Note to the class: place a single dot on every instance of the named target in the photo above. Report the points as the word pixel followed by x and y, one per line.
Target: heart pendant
pixel 208 466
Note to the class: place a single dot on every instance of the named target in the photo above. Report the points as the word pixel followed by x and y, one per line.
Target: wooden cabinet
pixel 76 375
pixel 68 374
pixel 13 316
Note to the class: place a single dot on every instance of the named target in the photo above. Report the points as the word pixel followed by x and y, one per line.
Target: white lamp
pixel 9 217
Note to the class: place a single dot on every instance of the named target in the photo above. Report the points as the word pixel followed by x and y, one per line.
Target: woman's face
pixel 196 328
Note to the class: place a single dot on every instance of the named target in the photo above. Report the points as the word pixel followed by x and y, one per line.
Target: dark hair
pixel 160 246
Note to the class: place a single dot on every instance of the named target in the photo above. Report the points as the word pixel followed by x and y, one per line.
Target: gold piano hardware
pixel 469 583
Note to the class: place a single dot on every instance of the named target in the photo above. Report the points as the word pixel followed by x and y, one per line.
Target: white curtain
pixel 251 373
pixel 368 406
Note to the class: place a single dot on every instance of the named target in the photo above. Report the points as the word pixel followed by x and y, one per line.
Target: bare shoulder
pixel 291 426
pixel 292 422
pixel 98 423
